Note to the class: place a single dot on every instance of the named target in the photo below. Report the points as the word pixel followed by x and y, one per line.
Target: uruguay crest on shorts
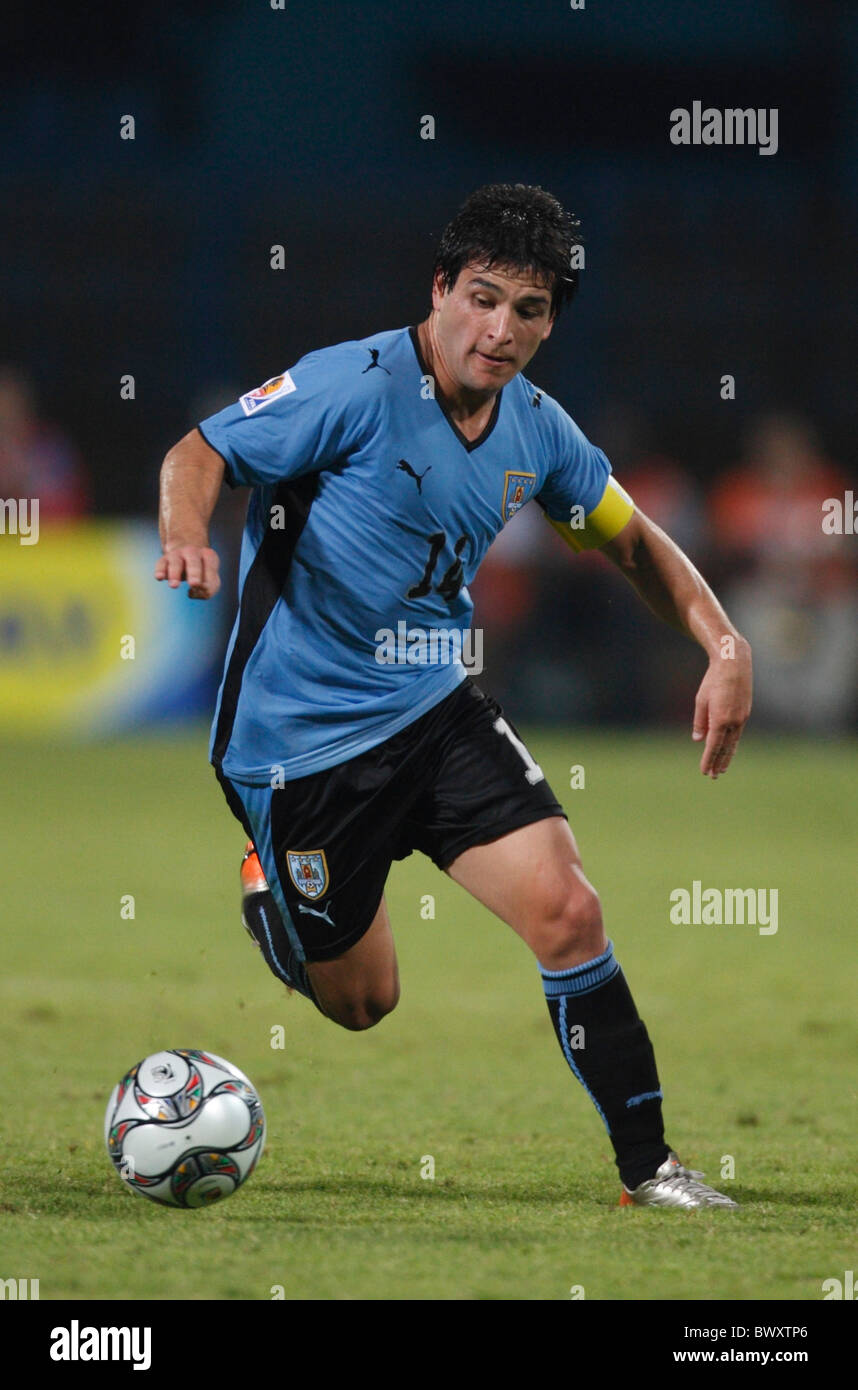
pixel 518 488
pixel 308 871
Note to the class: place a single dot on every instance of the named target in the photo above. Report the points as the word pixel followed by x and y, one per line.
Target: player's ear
pixel 548 327
pixel 438 289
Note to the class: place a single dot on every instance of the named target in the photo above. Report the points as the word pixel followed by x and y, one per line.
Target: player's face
pixel 490 324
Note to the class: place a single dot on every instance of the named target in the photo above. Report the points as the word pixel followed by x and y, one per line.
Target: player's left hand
pixel 722 707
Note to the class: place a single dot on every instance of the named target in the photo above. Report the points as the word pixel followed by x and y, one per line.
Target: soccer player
pixel 381 470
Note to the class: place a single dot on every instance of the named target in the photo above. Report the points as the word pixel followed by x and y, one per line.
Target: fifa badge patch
pixel 308 871
pixel 269 390
pixel 518 489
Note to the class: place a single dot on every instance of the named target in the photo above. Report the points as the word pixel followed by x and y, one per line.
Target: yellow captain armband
pixel 602 524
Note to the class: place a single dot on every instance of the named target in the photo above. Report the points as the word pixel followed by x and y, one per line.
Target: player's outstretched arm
pixel 191 478
pixel 670 585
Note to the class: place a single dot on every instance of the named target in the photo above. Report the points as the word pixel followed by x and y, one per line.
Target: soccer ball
pixel 184 1128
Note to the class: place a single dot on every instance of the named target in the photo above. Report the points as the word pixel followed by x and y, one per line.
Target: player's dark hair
pixel 515 225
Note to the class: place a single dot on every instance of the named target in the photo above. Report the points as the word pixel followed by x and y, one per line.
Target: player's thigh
pixel 533 879
pixel 362 985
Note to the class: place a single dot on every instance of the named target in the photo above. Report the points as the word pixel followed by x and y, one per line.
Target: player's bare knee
pixel 357 1018
pixel 354 1018
pixel 365 1011
pixel 571 929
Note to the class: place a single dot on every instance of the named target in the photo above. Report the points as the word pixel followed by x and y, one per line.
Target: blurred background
pixel 138 297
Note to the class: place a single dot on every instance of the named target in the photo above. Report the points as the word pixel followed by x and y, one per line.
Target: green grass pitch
pixel 755 1035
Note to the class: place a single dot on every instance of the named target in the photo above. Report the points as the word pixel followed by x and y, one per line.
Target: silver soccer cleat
pixel 674 1186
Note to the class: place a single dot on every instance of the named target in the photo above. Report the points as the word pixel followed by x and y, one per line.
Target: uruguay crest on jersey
pixel 518 489
pixel 308 871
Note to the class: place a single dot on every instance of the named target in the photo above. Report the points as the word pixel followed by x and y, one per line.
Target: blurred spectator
pixel 668 495
pixel 767 513
pixel 788 585
pixel 36 458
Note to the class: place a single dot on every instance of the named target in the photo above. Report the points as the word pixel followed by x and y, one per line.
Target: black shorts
pixel 458 776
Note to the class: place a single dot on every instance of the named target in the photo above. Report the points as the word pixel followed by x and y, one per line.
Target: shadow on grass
pixel 437 1190
pixel 537 1193
pixel 44 1197
pixel 99 1201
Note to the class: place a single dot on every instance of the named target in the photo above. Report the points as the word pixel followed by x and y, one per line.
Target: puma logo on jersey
pixel 418 477
pixel 373 352
pixel 313 913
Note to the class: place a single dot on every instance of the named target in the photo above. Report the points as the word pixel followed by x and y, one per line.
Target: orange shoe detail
pixel 252 878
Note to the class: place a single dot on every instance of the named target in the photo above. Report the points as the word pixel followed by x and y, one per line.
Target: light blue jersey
pixel 369 517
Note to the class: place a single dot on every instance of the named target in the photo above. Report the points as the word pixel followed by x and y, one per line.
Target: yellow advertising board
pixel 90 642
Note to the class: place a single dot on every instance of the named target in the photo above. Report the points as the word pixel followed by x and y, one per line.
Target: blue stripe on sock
pixel 296 976
pixel 285 974
pixel 567 1053
pixel 646 1095
pixel 581 979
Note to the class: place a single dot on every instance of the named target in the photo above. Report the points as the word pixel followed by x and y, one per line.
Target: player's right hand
pixel 198 565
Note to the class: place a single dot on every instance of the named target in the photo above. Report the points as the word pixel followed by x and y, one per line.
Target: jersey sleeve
pixel 580 497
pixel 294 423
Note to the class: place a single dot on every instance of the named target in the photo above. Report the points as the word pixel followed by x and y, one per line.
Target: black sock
pixel 606 1044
